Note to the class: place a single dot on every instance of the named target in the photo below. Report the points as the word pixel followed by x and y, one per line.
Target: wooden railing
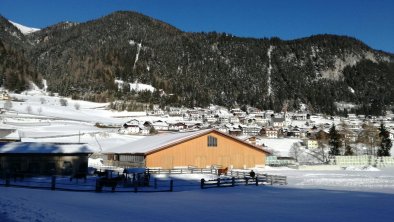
pixel 233 181
pixel 182 171
pixel 270 179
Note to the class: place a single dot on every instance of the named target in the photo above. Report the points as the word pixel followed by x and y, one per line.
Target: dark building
pixel 43 158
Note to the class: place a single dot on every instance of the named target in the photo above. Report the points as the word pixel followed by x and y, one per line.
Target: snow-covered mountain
pixel 202 68
pixel 24 29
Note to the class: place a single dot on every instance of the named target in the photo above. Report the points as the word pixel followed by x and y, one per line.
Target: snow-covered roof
pixel 154 143
pixel 9 134
pixel 43 148
pixel 151 143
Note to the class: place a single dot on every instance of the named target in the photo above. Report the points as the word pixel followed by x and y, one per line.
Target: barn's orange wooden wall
pixel 195 152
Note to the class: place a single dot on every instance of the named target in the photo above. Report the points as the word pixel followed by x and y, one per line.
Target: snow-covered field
pixel 42 118
pixel 345 195
pixel 339 195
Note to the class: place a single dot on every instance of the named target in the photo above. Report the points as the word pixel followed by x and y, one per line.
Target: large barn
pixel 199 149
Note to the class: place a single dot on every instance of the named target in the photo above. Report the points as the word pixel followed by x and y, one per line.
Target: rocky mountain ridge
pixel 81 59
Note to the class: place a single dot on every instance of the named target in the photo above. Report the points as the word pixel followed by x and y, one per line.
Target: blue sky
pixel 371 21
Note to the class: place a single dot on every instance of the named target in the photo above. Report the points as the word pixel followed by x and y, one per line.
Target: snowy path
pixel 231 204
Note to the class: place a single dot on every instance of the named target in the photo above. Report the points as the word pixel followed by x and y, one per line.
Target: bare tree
pixel 369 136
pixel 63 102
pixel 295 151
pixel 77 106
pixel 39 110
pixel 8 105
pixel 29 109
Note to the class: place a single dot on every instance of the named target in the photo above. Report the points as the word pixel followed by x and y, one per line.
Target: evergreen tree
pixel 334 141
pixel 348 151
pixel 385 144
pixel 152 130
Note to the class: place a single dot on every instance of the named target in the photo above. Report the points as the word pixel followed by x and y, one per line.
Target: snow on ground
pixel 25 30
pixel 136 86
pixel 279 145
pixel 353 194
pixel 309 196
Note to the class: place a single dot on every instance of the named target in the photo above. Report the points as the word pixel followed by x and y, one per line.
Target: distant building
pixel 278 122
pixel 4 95
pixel 9 135
pixel 280 161
pixel 271 133
pixel 311 144
pixel 252 130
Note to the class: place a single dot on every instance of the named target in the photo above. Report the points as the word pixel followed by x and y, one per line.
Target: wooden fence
pixel 270 179
pixel 183 171
pixel 233 181
pixel 91 184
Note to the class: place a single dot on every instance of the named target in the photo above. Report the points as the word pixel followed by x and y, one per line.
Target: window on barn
pixel 212 141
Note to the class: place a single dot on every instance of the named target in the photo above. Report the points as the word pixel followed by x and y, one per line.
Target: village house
pixel 299 116
pixel 238 112
pixel 174 111
pixel 294 133
pixel 200 149
pixel 210 119
pixel 311 144
pixel 234 119
pixel 250 130
pixel 9 135
pixel 177 126
pixel 160 125
pixel 278 122
pixel 223 120
pixel 157 111
pixel 130 129
pixel 4 95
pixel 271 133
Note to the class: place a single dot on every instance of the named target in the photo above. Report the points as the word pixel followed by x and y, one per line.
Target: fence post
pixel 53 183
pixel 202 183
pixel 218 182
pixel 232 181
pixel 7 180
pixel 272 179
pixel 155 183
pixel 246 181
pixel 98 187
pixel 257 180
pixel 171 185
